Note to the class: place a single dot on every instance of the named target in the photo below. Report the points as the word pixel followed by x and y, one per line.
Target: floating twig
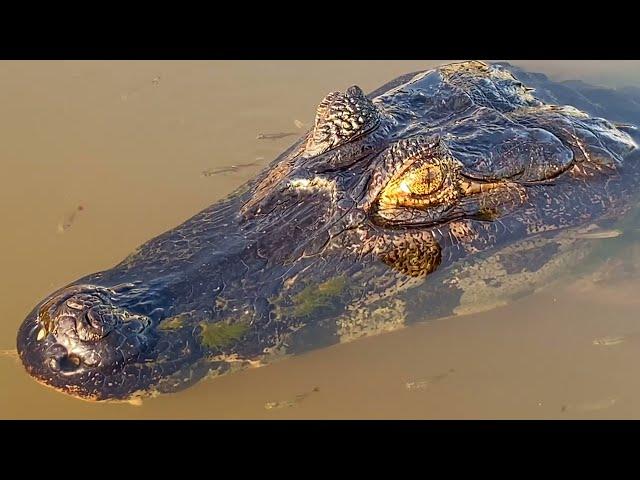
pixel 290 403
pixel 274 136
pixel 66 223
pixel 231 168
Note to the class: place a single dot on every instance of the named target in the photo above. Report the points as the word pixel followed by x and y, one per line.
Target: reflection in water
pixel 531 349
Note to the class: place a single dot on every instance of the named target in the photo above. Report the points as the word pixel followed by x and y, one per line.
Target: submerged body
pixel 440 193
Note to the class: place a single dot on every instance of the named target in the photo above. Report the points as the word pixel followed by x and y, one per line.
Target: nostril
pixel 61 360
pixel 69 363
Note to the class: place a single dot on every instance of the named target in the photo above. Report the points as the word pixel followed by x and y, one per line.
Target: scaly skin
pixel 409 203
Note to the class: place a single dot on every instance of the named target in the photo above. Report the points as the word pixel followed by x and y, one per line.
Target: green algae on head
pixel 172 323
pixel 222 334
pixel 316 297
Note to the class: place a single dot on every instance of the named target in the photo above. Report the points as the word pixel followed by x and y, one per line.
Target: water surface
pixel 99 157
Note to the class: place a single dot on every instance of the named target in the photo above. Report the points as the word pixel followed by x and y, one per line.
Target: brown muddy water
pixel 98 157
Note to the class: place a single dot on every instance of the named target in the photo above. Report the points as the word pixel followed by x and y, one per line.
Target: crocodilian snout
pixel 80 341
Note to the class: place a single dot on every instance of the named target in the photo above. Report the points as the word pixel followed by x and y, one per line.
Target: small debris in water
pixel 274 136
pixel 590 406
pixel 290 403
pixel 608 341
pixel 125 96
pixel 299 124
pixel 427 382
pixel 611 340
pixel 600 234
pixel 66 223
pixel 418 385
pixel 231 168
pixel 280 404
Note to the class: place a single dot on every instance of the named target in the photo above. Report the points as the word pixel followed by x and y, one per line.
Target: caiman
pixel 443 192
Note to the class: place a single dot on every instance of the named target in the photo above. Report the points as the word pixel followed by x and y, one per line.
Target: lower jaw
pixel 134 399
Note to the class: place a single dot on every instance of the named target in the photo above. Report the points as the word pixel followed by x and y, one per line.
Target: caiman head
pixel 387 187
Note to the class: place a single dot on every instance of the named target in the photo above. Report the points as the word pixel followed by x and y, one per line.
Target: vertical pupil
pixel 425 180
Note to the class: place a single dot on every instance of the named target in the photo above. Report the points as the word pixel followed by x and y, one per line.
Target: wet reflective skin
pixel 377 204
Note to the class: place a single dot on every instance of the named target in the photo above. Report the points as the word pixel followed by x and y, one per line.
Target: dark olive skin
pixel 398 186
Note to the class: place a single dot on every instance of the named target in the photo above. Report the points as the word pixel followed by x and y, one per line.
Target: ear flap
pixel 341 117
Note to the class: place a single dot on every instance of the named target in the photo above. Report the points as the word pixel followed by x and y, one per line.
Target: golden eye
pixel 415 187
pixel 421 181
pixel 421 185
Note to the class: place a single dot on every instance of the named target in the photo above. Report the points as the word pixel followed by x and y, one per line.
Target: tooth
pixel 41 334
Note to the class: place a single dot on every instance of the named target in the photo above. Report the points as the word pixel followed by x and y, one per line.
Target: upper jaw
pixel 80 332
